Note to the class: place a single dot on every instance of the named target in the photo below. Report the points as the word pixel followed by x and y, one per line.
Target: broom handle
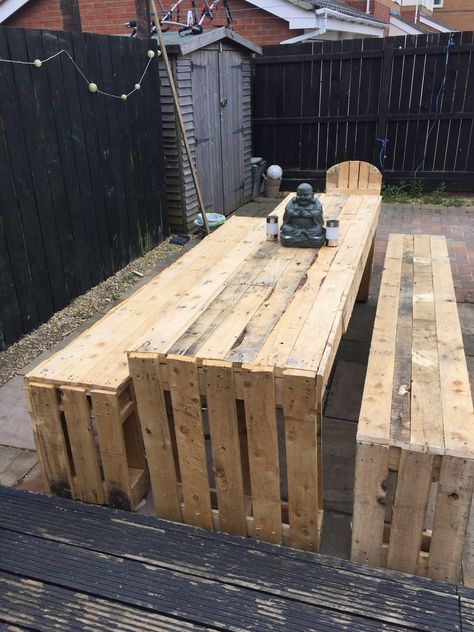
pixel 180 117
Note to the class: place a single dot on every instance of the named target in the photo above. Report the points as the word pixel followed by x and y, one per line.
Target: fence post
pixel 385 83
pixel 142 9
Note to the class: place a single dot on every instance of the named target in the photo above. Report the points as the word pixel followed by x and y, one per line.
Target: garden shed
pixel 212 75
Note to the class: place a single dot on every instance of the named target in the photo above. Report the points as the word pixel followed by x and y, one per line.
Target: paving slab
pixel 15 422
pixel 345 395
pixel 339 449
pixel 15 464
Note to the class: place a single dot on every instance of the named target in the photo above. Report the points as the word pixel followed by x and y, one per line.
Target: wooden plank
pixel 302 456
pixel 260 414
pixel 456 397
pixel 343 179
pixel 188 424
pixel 50 440
pixel 276 348
pixel 88 483
pixel 353 178
pixel 453 504
pixel 145 373
pixel 109 368
pixel 409 509
pixel 400 423
pixel 363 182
pixel 426 432
pixel 363 293
pixel 369 503
pixel 108 424
pixel 374 419
pixel 334 291
pixel 226 451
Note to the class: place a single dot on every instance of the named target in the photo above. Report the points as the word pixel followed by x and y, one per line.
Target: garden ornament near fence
pixel 303 222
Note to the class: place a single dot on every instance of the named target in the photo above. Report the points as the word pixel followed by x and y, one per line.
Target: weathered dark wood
pixel 142 8
pixel 355 92
pixel 78 554
pixel 81 174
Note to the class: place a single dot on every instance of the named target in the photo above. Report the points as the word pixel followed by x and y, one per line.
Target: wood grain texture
pixel 226 449
pixel 302 458
pixel 152 412
pixel 188 424
pixel 260 416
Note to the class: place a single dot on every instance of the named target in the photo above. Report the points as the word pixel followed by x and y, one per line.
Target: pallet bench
pixel 415 440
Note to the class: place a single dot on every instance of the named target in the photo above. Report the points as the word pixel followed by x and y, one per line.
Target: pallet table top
pixel 234 297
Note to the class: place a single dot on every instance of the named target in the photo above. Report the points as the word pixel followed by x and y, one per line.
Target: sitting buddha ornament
pixel 303 222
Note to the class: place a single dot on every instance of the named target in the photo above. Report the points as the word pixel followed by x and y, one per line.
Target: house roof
pixel 345 9
pixel 177 44
pixel 338 7
pixel 8 8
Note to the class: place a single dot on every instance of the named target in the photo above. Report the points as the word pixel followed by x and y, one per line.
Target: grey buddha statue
pixel 303 222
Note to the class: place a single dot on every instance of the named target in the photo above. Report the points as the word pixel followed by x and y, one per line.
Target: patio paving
pixel 345 391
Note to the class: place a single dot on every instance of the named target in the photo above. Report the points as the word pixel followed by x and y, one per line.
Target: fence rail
pixel 81 175
pixel 318 104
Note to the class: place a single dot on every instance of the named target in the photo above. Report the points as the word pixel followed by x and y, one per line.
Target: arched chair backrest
pixel 354 176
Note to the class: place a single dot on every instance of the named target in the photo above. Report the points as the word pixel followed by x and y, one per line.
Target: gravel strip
pixel 97 300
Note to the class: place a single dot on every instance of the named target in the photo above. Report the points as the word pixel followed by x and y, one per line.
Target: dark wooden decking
pixel 69 566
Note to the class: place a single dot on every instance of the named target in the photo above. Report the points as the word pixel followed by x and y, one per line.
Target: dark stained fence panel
pixel 320 103
pixel 82 187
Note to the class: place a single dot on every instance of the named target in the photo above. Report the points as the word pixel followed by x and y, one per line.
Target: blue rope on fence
pixel 384 142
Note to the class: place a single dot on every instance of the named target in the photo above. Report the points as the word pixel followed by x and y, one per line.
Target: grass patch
pixel 412 193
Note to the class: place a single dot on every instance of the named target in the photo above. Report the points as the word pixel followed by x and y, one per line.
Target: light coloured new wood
pixel 260 415
pixel 227 458
pixel 88 481
pixel 374 418
pixel 369 503
pixel 145 371
pixel 457 407
pixel 112 448
pixel 301 429
pixel 354 176
pixel 49 439
pixel 417 405
pixel 453 504
pixel 188 424
pixel 409 507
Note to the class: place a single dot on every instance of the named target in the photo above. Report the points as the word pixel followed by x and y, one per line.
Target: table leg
pixel 363 294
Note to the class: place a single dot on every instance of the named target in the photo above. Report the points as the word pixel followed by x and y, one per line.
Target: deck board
pixel 68 563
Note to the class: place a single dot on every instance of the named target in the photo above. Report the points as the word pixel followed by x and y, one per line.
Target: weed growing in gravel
pixel 412 193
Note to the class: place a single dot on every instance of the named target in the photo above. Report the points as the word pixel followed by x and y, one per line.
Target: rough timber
pixel 415 439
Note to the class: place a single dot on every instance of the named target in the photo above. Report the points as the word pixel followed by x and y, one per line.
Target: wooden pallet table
pixel 415 440
pixel 81 399
pixel 234 371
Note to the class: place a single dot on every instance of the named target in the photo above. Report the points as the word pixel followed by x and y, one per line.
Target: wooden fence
pixel 82 188
pixel 321 103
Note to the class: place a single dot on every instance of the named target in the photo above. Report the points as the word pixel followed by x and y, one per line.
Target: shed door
pixel 207 129
pixel 218 125
pixel 231 110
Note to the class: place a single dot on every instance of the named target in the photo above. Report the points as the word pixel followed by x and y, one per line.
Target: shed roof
pixel 177 44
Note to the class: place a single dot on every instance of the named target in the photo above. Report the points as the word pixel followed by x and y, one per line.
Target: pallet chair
pixel 354 176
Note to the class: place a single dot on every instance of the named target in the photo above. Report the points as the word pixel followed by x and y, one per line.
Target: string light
pixel 93 87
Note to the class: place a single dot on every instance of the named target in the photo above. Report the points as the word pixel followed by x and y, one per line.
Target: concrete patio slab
pixel 15 422
pixel 15 464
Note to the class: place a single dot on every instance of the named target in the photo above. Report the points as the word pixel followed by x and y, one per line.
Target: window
pixel 437 4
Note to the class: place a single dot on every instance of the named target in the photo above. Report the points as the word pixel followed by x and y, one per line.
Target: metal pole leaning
pixel 164 55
